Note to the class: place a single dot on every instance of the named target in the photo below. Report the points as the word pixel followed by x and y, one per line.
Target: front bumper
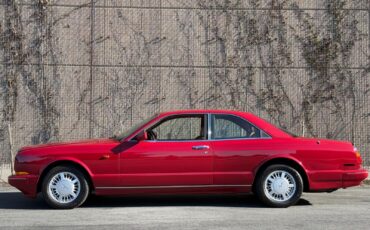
pixel 27 184
pixel 334 179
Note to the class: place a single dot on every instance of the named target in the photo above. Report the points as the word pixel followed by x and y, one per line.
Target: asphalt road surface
pixel 343 209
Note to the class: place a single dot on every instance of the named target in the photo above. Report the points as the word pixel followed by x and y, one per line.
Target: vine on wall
pixel 289 64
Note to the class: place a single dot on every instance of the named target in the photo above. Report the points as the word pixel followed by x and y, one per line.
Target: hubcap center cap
pixel 280 186
pixel 65 187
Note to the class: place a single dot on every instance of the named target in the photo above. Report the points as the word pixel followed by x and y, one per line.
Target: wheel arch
pixel 65 162
pixel 285 161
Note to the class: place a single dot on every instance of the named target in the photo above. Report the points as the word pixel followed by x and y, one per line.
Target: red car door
pixel 238 146
pixel 177 153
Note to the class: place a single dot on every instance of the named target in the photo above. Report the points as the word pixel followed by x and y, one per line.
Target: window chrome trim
pixel 207 140
pixel 148 126
pixel 242 138
pixel 161 120
pixel 209 130
pixel 160 141
pixel 239 138
pixel 176 186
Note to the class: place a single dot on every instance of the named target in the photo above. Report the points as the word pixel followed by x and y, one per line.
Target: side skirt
pixel 172 189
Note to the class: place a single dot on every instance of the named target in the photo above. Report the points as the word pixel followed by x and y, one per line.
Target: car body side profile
pixel 189 152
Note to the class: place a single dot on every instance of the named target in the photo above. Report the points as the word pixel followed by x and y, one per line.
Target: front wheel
pixel 65 187
pixel 279 186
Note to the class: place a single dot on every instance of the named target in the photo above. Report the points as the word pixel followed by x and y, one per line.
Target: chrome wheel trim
pixel 280 186
pixel 64 187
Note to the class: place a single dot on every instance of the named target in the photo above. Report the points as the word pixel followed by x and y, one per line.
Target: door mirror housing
pixel 142 136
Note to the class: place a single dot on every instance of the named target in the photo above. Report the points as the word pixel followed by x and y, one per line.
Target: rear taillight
pixel 358 156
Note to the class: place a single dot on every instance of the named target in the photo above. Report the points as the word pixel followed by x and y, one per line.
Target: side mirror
pixel 142 136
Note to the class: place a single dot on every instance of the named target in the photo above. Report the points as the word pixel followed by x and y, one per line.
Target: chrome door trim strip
pixel 176 186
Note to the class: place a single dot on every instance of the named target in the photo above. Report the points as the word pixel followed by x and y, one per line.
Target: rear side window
pixel 231 127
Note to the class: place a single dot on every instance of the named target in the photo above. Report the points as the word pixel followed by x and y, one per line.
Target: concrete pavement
pixel 343 209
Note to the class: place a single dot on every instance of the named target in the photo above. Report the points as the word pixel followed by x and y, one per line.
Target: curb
pixel 4 184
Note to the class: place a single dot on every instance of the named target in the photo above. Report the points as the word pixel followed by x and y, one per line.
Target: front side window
pixel 231 127
pixel 132 129
pixel 188 127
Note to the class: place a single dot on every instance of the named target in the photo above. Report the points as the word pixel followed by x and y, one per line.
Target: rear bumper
pixel 334 179
pixel 27 184
pixel 354 178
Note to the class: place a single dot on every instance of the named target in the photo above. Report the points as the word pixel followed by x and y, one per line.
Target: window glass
pixel 179 128
pixel 132 129
pixel 229 127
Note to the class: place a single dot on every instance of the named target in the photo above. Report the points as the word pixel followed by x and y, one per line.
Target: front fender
pixel 60 160
pixel 63 160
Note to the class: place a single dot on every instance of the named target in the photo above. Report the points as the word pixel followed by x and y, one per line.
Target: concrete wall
pixel 74 69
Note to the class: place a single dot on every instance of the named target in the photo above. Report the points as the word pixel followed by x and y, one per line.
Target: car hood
pixel 79 143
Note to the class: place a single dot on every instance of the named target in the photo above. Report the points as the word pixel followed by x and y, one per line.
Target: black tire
pixel 272 200
pixel 50 197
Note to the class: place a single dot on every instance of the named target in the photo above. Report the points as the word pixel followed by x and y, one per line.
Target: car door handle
pixel 104 157
pixel 200 147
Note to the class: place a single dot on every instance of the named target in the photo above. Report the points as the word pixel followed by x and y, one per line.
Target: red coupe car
pixel 192 151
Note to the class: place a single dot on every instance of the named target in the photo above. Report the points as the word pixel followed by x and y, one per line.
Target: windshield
pixel 129 131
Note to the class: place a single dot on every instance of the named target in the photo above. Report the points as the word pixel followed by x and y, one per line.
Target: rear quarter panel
pixel 325 154
pixel 238 161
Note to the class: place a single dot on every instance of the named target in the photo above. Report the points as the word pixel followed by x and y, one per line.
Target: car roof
pixel 269 128
pixel 260 123
pixel 192 111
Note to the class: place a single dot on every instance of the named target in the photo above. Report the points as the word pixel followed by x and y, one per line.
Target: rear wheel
pixel 279 186
pixel 65 187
